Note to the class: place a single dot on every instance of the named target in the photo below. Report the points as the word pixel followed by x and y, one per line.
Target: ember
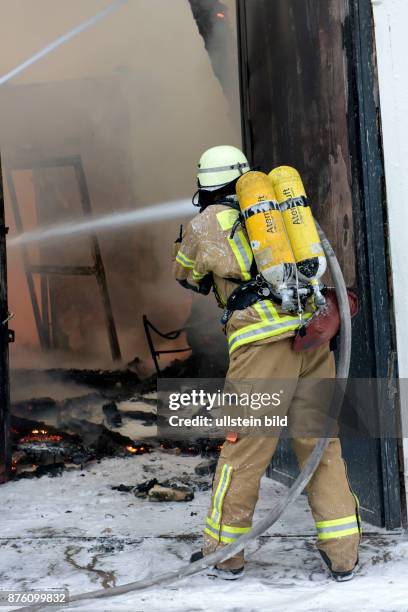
pixel 40 435
pixel 137 450
pixel 140 450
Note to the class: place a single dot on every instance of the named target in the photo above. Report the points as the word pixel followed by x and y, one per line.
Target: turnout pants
pixel 242 463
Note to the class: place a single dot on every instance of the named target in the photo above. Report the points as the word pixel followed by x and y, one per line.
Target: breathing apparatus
pixel 283 238
pixel 301 229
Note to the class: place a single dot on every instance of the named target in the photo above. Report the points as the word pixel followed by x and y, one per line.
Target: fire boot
pixel 234 574
pixel 339 576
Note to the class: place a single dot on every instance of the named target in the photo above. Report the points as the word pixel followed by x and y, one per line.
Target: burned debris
pixel 114 416
pixel 153 490
pixel 40 449
pixel 159 493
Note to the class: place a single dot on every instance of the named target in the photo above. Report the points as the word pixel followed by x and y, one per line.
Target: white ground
pixel 75 532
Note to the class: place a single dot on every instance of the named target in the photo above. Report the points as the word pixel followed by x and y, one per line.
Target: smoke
pixel 216 22
pixel 137 99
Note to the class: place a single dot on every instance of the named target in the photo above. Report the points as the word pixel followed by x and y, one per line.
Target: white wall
pixel 391 19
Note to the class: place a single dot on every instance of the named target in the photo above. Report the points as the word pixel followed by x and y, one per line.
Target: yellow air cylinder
pixel 300 226
pixel 266 231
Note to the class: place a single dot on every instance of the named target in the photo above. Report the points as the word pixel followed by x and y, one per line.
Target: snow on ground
pixel 76 532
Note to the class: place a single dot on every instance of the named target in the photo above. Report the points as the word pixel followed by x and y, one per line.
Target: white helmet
pixel 220 165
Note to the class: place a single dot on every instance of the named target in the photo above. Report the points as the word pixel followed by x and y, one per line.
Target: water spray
pixel 111 8
pixel 141 216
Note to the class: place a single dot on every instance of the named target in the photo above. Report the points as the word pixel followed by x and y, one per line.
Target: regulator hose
pixel 297 487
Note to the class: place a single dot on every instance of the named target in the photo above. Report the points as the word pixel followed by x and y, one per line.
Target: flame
pixel 41 435
pixel 221 15
pixel 139 450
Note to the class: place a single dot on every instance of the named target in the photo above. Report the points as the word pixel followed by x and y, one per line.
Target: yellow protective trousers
pixel 242 464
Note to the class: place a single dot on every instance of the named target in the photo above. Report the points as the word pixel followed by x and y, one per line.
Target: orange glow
pixel 40 435
pixel 131 449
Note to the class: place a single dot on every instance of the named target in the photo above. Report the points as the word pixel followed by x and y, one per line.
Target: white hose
pixel 297 487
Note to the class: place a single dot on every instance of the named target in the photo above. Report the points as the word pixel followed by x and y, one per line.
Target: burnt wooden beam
pixel 62 270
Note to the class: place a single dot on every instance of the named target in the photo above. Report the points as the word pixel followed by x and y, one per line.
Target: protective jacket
pixel 211 255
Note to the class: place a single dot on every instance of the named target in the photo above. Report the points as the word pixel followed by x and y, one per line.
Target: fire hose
pixel 297 487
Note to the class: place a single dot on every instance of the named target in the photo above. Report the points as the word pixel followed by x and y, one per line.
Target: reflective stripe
pixel 184 256
pixel 268 304
pixel 228 539
pixel 239 244
pixel 338 534
pixel 222 488
pixel 266 310
pixel 227 218
pixel 224 533
pixel 335 522
pixel 213 533
pixel 237 166
pixel 197 275
pixel 260 331
pixel 243 253
pixel 184 261
pixel 262 311
pixel 222 537
pixel 188 263
pixel 337 528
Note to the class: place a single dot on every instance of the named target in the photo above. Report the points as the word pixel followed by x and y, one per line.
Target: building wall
pixel 391 18
pixel 137 98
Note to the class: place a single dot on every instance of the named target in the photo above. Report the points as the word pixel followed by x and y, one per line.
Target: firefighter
pixel 215 253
